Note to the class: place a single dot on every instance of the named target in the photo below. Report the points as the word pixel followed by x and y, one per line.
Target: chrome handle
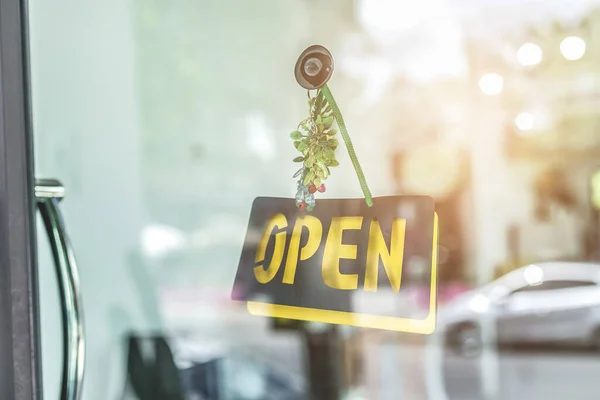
pixel 48 194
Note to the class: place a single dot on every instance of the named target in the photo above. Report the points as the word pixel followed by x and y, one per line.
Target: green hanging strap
pixel 340 121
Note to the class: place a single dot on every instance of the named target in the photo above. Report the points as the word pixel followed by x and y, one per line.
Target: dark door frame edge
pixel 20 360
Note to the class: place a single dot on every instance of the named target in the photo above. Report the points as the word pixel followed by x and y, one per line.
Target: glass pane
pixel 166 119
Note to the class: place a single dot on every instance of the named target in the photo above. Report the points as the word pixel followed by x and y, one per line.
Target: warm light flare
pixel 572 48
pixel 529 54
pixel 491 84
pixel 525 121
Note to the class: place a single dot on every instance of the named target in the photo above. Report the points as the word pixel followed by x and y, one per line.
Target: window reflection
pixel 167 119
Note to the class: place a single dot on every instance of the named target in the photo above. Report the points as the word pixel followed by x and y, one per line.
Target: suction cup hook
pixel 314 67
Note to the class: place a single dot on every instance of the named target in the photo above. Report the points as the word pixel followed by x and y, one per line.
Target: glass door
pixel 163 120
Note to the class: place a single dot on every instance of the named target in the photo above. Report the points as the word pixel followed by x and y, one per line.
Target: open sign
pixel 319 266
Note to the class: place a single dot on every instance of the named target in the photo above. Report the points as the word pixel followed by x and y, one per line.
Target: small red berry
pixel 312 189
pixel 321 188
pixel 302 206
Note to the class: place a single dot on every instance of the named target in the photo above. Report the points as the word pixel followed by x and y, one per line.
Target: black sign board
pixel 342 263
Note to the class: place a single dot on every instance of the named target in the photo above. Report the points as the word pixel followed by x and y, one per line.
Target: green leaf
pixel 296 135
pixel 328 121
pixel 302 146
pixel 308 177
pixel 299 159
pixel 324 170
pixel 333 143
pixel 333 163
pixel 297 144
pixel 317 182
pixel 310 160
pixel 329 154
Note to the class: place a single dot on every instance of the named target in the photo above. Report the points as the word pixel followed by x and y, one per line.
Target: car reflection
pixel 544 303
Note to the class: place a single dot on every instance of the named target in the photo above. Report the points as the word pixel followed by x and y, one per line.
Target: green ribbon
pixel 340 121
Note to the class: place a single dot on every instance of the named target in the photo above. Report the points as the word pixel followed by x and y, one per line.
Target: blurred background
pixel 165 119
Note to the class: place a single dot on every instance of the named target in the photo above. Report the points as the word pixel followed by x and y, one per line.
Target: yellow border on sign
pixel 423 326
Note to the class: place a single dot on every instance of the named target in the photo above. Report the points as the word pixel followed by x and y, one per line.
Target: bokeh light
pixel 534 275
pixel 572 48
pixel 491 84
pixel 525 121
pixel 529 54
pixel 479 303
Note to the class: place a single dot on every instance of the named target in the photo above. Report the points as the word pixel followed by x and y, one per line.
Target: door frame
pixel 19 331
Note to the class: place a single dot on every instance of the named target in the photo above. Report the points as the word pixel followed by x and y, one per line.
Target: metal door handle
pixel 48 194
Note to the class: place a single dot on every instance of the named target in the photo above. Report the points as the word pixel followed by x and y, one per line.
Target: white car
pixel 542 303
